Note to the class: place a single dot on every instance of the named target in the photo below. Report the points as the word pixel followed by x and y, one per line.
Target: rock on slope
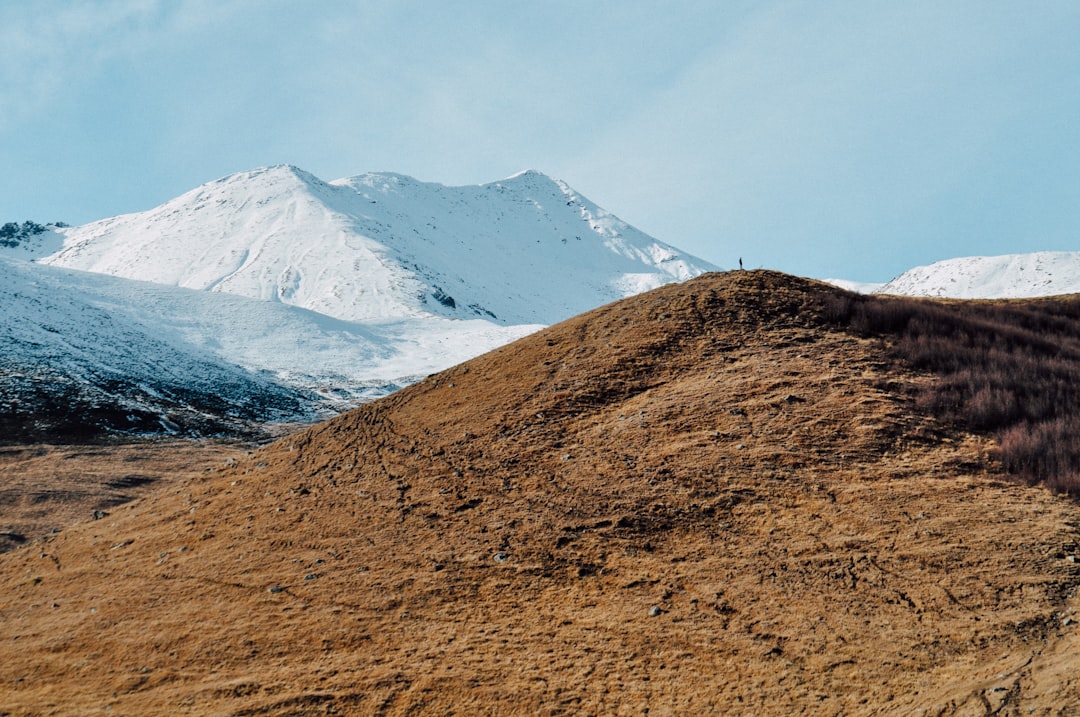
pixel 526 250
pixel 1044 273
pixel 704 499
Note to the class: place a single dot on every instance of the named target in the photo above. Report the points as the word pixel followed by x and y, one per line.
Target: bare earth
pixel 698 501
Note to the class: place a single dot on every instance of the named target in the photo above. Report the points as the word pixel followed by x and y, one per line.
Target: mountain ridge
pixel 385 246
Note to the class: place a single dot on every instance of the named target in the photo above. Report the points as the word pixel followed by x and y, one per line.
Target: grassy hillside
pixel 737 495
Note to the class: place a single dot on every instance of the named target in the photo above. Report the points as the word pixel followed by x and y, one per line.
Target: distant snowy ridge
pixel 1013 276
pixel 294 347
pixel 136 356
pixel 524 250
pixel 859 287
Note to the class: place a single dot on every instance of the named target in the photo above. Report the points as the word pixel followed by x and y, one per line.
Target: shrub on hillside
pixel 12 233
pixel 1008 368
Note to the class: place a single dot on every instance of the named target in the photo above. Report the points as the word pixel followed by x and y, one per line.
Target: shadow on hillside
pixel 1011 369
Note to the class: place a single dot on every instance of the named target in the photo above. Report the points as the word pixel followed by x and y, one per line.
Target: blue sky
pixel 832 139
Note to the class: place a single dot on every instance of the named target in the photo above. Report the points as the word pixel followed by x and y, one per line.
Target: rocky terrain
pixel 725 496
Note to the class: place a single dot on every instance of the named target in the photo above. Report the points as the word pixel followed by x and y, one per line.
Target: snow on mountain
pixel 67 359
pixel 992 277
pixel 140 328
pixel 859 287
pixel 525 250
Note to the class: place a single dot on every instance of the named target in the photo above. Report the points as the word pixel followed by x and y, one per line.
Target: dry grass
pixel 1008 368
pixel 45 488
pixel 494 540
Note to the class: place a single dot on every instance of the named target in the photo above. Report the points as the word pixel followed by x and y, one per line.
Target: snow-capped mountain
pixel 272 295
pixel 525 250
pixel 1015 276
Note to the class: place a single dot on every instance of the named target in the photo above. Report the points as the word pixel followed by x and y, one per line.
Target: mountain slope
pixel 101 336
pixel 71 364
pixel 992 277
pixel 527 250
pixel 293 346
pixel 710 498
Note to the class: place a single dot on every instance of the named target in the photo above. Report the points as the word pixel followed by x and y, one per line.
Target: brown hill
pixel 718 497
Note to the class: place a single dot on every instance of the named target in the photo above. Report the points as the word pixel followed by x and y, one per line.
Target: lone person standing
pixel 740 263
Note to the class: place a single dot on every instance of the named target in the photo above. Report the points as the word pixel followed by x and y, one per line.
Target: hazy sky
pixel 831 139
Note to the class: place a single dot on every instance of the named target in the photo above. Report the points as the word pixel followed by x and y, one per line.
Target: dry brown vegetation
pixel 1008 368
pixel 46 488
pixel 717 497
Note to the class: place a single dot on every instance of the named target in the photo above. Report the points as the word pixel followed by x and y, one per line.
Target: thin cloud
pixel 51 46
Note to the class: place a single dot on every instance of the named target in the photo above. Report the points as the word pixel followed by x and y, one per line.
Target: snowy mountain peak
pixel 252 181
pixel 280 182
pixel 526 173
pixel 530 178
pixel 384 246
pixel 532 181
